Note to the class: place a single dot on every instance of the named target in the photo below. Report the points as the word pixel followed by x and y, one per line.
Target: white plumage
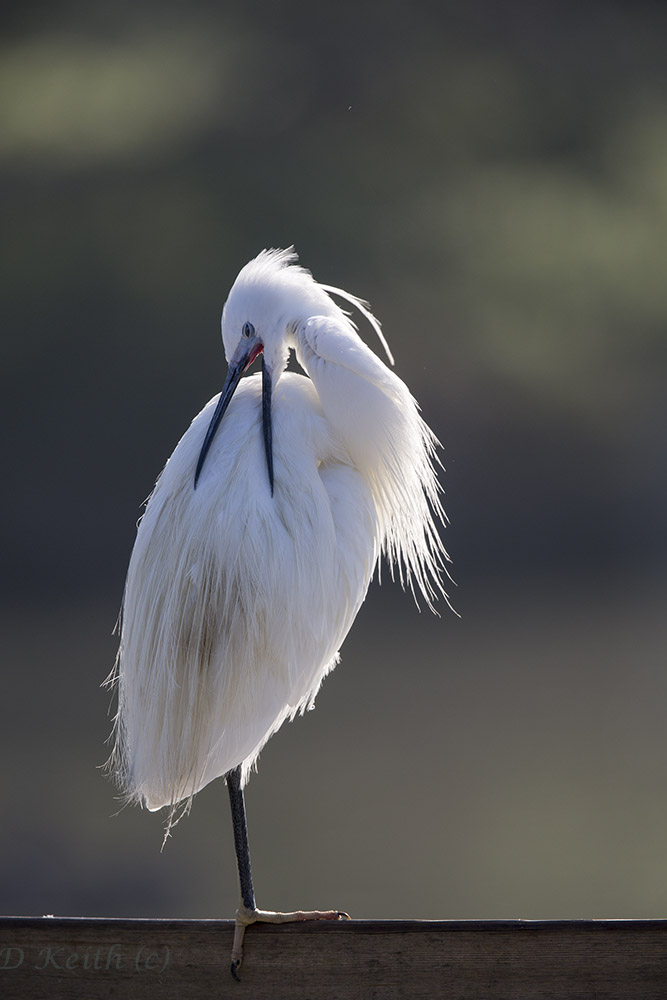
pixel 238 598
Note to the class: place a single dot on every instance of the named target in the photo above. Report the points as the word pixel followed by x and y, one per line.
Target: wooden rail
pixel 67 958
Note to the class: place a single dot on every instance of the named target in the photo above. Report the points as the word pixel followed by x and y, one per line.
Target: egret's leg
pixel 247 912
pixel 240 828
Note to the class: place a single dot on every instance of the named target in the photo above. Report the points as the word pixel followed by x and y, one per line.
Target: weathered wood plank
pixel 87 959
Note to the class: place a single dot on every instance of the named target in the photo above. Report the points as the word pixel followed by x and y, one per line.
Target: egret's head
pixel 271 296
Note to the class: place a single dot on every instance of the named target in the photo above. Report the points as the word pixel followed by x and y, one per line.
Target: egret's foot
pixel 246 916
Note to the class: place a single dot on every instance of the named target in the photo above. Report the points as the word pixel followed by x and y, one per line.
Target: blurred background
pixel 493 177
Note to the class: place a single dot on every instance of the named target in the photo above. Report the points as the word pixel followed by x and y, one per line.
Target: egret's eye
pixel 248 330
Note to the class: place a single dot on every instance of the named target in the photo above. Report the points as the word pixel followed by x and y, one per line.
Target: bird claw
pixel 246 916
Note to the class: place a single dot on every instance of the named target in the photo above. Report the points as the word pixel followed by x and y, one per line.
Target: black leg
pixel 248 913
pixel 241 837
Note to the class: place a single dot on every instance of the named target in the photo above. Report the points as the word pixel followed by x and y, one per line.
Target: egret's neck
pixel 375 421
pixel 364 403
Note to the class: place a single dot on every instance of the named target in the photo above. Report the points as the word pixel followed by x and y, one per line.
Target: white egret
pixel 258 544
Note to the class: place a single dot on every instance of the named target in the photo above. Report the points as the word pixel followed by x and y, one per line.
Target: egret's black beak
pixel 244 356
pixel 267 387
